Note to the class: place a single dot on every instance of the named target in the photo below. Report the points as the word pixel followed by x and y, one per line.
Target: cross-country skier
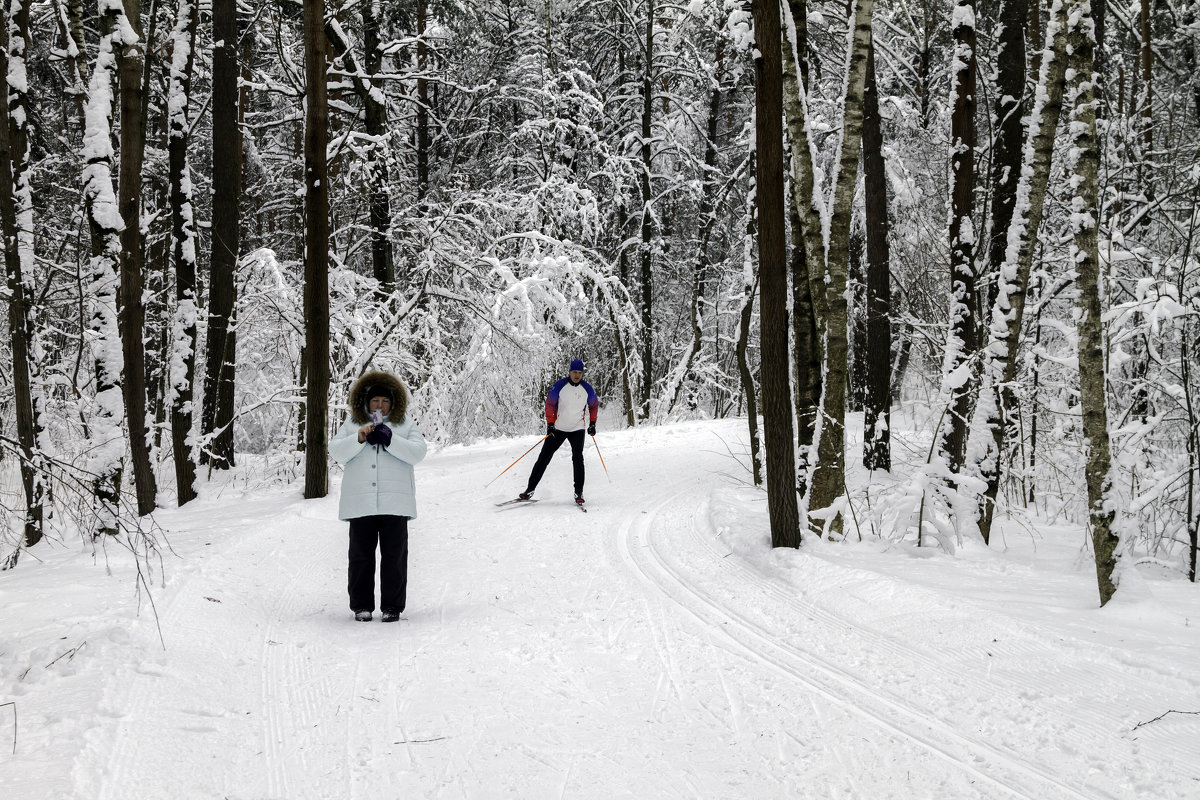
pixel 571 408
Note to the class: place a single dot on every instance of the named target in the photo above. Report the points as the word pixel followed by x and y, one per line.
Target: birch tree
pixel 828 277
pixel 1083 162
pixel 1012 278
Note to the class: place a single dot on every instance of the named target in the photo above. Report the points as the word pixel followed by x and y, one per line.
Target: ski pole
pixel 601 459
pixel 510 466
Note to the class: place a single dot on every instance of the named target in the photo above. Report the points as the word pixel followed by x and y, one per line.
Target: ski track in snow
pixel 625 653
pixel 825 670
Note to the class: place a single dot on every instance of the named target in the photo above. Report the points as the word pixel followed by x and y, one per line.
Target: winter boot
pixel 525 496
pixel 578 499
pixel 390 615
pixel 362 616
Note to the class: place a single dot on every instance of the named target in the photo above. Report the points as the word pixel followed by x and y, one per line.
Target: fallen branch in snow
pixel 419 741
pixel 1160 716
pixel 70 653
pixel 13 703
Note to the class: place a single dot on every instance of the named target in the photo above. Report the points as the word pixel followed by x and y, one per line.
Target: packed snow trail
pixel 653 648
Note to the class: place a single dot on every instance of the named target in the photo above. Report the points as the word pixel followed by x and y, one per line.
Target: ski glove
pixel 592 429
pixel 549 428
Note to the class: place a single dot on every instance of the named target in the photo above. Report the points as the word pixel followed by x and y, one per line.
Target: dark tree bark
pixel 132 311
pixel 369 90
pixel 1006 174
pixel 316 251
pixel 216 419
pixel 646 251
pixel 773 276
pixel 423 143
pixel 183 254
pixel 15 206
pixel 877 406
pixel 963 341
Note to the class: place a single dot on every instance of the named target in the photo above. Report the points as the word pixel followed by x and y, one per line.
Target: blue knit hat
pixel 576 365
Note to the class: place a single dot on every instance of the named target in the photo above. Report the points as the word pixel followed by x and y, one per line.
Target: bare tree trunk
pixel 829 472
pixel 107 451
pixel 961 346
pixel 221 341
pixel 1084 166
pixel 369 91
pixel 877 405
pixel 16 221
pixel 316 252
pixel 808 249
pixel 131 310
pixel 1012 279
pixel 183 251
pixel 773 265
pixel 423 143
pixel 646 260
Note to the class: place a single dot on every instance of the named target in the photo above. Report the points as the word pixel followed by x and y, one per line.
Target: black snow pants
pixel 391 534
pixel 552 444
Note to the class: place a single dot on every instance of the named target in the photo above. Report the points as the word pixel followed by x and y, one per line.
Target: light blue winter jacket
pixel 378 480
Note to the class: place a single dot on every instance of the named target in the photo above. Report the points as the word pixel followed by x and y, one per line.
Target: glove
pixel 592 429
pixel 549 428
pixel 380 434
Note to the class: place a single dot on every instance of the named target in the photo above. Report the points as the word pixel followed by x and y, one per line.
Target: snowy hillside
pixel 654 647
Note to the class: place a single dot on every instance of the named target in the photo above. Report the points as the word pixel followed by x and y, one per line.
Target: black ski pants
pixel 390 533
pixel 549 448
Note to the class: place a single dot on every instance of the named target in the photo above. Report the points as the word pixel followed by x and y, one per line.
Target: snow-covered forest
pixel 984 215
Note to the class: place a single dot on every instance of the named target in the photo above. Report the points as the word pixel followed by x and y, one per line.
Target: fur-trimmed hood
pixel 358 396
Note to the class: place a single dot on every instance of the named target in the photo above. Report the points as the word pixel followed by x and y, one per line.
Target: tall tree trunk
pixel 422 103
pixel 773 265
pixel 745 317
pixel 131 310
pixel 16 226
pixel 958 381
pixel 1012 279
pixel 829 472
pixel 221 342
pixel 1084 166
pixel 808 249
pixel 107 451
pixel 316 251
pixel 877 405
pixel 370 92
pixel 1147 99
pixel 183 251
pixel 383 261
pixel 1006 173
pixel 647 221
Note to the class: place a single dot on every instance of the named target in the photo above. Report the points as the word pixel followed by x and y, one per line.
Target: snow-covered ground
pixel 654 647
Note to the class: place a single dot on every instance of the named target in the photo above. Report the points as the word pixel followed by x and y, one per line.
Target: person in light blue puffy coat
pixel 378 445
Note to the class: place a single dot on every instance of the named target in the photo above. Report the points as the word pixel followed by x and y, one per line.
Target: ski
pixel 515 501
